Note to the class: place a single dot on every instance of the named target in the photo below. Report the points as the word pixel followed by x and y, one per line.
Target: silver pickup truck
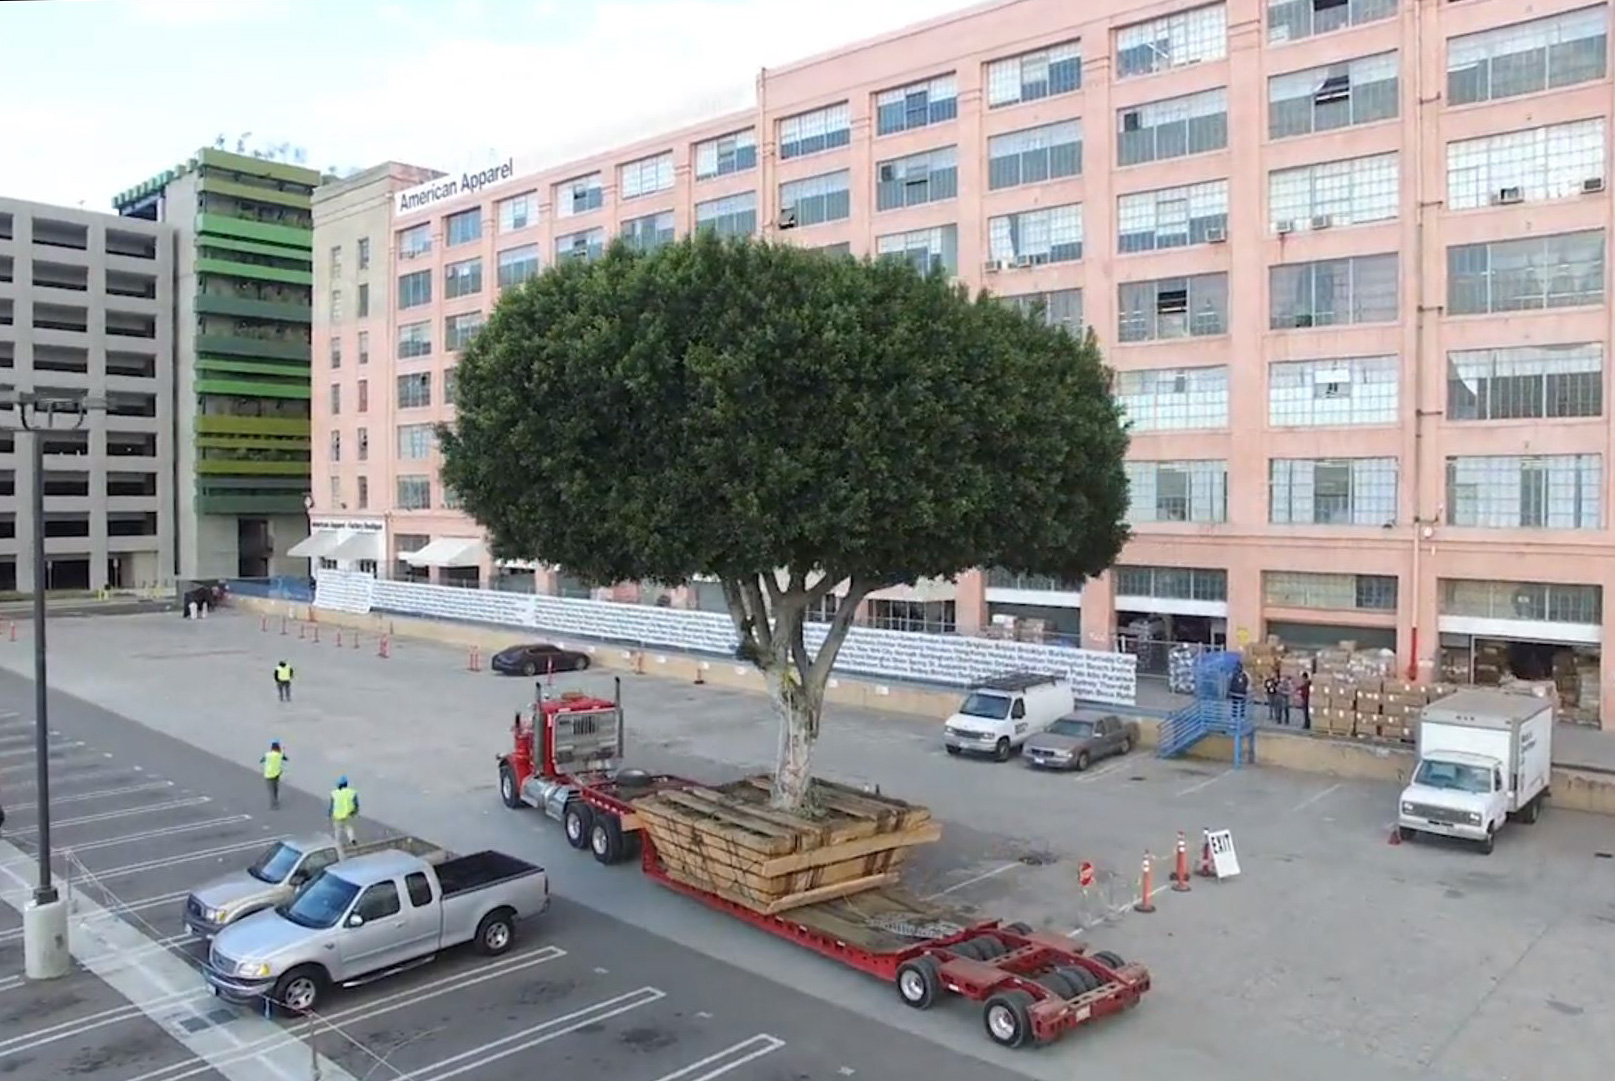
pixel 276 874
pixel 366 918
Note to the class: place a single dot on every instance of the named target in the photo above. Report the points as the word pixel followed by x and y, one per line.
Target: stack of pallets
pixel 728 841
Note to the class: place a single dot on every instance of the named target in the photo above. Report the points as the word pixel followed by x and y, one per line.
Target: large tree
pixel 799 426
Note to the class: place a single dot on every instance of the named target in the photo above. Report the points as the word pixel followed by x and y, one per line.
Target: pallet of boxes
pixel 727 840
pixel 1356 693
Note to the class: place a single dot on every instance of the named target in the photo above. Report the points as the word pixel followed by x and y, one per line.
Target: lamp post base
pixel 45 953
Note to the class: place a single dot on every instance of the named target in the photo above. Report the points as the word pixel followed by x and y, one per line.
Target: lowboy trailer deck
pixel 1034 987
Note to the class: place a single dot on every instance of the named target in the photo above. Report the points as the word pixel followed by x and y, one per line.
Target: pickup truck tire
pixel 577 820
pixel 300 991
pixel 1007 1017
pixel 605 839
pixel 1003 750
pixel 919 982
pixel 496 932
pixel 507 787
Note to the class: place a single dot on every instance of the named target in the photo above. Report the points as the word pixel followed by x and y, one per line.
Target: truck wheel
pixel 1109 959
pixel 990 948
pixel 1017 928
pixel 1058 985
pixel 1081 980
pixel 1082 761
pixel 1490 842
pixel 1531 811
pixel 919 982
pixel 300 990
pixel 496 932
pixel 1007 1017
pixel 577 820
pixel 507 787
pixel 605 839
pixel 1003 750
pixel 955 751
pixel 1403 833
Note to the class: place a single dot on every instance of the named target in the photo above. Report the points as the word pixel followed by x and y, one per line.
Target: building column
pixel 1099 613
pixel 1606 667
pixel 970 602
pixel 1245 605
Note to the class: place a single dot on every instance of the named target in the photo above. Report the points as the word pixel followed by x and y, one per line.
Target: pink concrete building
pixel 1348 259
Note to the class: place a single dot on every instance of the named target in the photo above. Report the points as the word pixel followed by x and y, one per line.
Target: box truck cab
pixel 999 715
pixel 1485 757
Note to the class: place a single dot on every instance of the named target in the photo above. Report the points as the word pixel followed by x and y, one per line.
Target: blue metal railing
pixel 282 588
pixel 1183 728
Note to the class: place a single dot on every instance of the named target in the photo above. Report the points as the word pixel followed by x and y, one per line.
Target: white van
pixel 1000 714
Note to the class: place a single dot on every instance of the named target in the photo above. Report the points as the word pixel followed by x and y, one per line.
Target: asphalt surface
pixel 149 817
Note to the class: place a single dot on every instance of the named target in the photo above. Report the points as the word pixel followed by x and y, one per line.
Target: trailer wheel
pixel 495 933
pixel 1081 980
pixel 967 949
pixel 1007 1017
pixel 1058 984
pixel 988 947
pixel 507 787
pixel 605 839
pixel 1003 751
pixel 919 982
pixel 577 820
pixel 1109 959
pixel 1017 928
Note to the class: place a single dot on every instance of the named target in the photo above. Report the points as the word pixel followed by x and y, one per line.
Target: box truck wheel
pixel 1003 750
pixel 1532 810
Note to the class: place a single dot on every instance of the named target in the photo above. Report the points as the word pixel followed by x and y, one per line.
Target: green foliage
pixel 728 408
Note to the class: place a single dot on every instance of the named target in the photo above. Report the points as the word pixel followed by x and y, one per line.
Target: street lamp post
pixel 45 948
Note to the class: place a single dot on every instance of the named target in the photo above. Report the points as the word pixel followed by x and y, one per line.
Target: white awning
pixel 924 591
pixel 448 552
pixel 320 543
pixel 366 545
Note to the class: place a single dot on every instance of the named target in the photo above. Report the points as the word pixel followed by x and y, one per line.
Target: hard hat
pixel 342 780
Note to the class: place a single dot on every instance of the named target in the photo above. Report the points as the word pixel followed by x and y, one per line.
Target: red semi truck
pixel 567 760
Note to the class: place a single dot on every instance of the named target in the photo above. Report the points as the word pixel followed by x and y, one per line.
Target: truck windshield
pixel 1453 775
pixel 320 903
pixel 275 864
pixel 994 707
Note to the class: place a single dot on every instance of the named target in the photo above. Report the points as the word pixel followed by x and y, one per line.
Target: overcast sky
pixel 103 94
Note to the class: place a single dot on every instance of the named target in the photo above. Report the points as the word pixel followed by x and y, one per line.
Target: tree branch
pixel 761 627
pixel 840 624
pixel 822 588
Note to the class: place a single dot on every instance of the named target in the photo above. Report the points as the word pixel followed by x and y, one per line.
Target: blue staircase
pixel 1204 717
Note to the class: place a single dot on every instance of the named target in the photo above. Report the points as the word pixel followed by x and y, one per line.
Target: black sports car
pixel 537 659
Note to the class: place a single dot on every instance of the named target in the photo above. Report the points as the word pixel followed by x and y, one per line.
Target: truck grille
pixel 193 907
pixel 1444 815
pixel 968 733
pixel 220 963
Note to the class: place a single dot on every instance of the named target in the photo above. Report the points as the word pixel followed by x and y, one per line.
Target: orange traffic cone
pixel 1207 868
pixel 1146 886
pixel 1180 873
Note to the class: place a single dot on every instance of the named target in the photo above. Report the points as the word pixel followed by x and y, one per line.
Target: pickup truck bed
pixel 480 870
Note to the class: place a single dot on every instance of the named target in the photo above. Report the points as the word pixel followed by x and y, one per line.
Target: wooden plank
pixel 739 816
pixel 719 798
pixel 837 829
pixel 707 863
pixel 795 900
pixel 661 807
pixel 858 805
pixel 912 813
pixel 926 834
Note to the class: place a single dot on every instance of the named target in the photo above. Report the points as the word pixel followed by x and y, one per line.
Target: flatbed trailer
pixel 1034 987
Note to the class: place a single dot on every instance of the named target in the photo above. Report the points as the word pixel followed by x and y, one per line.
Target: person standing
pixel 1239 689
pixel 1286 693
pixel 1270 687
pixel 343 809
pixel 283 681
pixel 1304 693
pixel 274 763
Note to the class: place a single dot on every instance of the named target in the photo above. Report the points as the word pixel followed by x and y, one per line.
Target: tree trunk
pixel 797 711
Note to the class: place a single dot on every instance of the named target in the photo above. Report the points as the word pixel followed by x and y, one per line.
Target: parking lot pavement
pixel 1332 947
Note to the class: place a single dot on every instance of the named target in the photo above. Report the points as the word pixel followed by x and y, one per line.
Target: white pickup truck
pixel 1485 757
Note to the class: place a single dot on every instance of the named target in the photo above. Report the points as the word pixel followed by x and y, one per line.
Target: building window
pixel 650 232
pixel 336 446
pixel 815 132
pixel 462 228
pixel 518 212
pixel 336 305
pixel 1172 217
pixel 1174 128
pixel 726 154
pixel 1333 292
pixel 1329 98
pixel 1171 583
pixel 336 501
pixel 462 279
pixel 999 578
pixel 517 265
pixel 1035 75
pixel 1294 20
pixel 1171 308
pixel 415 441
pixel 336 352
pixel 645 176
pixel 917 105
pixel 364 253
pixel 364 493
pixel 842 249
pixel 1334 194
pixel 336 261
pixel 1177 492
pixel 415 241
pixel 1172 41
pixel 364 347
pixel 415 289
pixel 1036 237
pixel 1174 399
pixel 415 390
pixel 1528 382
pixel 587 245
pixel 1034 155
pixel 1332 491
pixel 414 493
pixel 451 377
pixel 414 340
pixel 1334 393
pixel 928 250
pixel 1329 592
pixel 917 617
pixel 1538 602
pixel 458 330
pixel 364 395
pixel 1546 491
pixel 364 444
pixel 731 216
pixel 1545 54
pixel 579 195
pixel 336 399
pixel 450 498
pixel 1060 308
pixel 919 178
pixel 1525 166
pixel 364 300
pixel 815 200
pixel 1565 270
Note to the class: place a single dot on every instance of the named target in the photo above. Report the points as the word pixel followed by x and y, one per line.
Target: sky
pixel 104 94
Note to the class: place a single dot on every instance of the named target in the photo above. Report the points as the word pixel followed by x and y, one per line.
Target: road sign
pixel 1085 874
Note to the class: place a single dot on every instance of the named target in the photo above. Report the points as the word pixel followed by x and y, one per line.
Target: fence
pixel 281 588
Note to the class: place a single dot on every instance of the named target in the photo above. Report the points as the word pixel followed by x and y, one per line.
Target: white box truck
pixel 1485 757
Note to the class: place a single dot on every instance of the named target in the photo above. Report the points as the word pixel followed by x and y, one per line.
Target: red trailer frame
pixel 1035 987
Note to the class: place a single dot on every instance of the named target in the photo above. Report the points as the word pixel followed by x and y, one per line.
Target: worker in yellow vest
pixel 344 808
pixel 283 681
pixel 274 763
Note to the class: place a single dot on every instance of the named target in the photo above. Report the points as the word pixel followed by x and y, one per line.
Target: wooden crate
pixel 729 841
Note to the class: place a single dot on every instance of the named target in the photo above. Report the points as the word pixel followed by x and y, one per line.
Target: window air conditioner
pixel 1322 221
pixel 1285 226
pixel 1509 195
pixel 1592 185
pixel 787 218
pixel 1023 260
pixel 1215 236
pixel 993 266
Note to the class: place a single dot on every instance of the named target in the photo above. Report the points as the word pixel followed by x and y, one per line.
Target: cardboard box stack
pixel 1355 692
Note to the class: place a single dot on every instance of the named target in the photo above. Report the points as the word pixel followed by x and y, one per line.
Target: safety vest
pixel 283 673
pixel 272 764
pixel 344 802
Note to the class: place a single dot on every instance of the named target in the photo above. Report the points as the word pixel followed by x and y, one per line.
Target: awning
pixel 448 552
pixel 366 545
pixel 320 543
pixel 924 591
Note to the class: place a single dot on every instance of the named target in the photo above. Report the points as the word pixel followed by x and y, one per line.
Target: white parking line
pixel 104 816
pixel 60 777
pixel 170 861
pixel 971 881
pixel 146 835
pixel 56 762
pixel 30 750
pixel 133 906
pixel 1315 797
pixel 107 793
pixel 730 1058
pixel 1207 783
pixel 1102 772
